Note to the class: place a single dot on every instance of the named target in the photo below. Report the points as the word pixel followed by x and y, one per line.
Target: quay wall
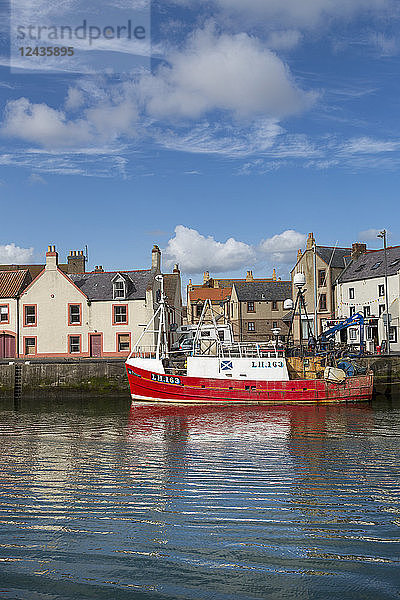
pixel 101 377
pixel 106 377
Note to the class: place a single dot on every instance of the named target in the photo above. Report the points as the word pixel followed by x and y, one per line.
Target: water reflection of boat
pixel 233 373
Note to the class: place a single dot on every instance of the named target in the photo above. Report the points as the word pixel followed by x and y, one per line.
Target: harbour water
pixel 102 501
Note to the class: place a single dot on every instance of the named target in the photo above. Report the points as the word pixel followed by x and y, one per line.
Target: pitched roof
pixel 338 256
pixel 171 284
pixel 99 286
pixel 372 264
pixel 213 294
pixel 12 283
pixel 34 270
pixel 263 292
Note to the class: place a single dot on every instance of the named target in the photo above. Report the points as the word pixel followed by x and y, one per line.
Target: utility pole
pixel 382 234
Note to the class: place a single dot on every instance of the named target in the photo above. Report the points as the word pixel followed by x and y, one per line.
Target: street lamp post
pixel 382 234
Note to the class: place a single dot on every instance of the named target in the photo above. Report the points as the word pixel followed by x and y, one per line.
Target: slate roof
pixel 372 264
pixel 98 286
pixel 259 292
pixel 12 283
pixel 338 258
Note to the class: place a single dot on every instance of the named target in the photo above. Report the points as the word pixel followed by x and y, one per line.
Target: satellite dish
pixel 288 304
pixel 299 280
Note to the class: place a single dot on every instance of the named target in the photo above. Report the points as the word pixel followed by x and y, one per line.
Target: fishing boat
pixel 219 372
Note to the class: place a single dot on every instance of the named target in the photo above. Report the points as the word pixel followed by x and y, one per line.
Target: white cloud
pixel 282 248
pixel 233 73
pixel 196 253
pixel 366 145
pixel 295 13
pixel 284 40
pixel 11 254
pixel 40 124
pixel 34 178
pixel 369 234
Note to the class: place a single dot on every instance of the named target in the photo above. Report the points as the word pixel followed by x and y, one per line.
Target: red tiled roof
pixel 213 294
pixel 13 282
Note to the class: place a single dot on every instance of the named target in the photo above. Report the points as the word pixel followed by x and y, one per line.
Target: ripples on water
pixel 104 502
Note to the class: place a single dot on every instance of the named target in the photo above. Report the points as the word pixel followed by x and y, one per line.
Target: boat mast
pixel 315 292
pixel 161 335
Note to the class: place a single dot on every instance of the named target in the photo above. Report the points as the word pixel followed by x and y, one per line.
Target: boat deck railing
pixel 250 350
pixel 214 349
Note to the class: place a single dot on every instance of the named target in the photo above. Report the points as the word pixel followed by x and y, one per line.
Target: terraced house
pixel 256 309
pixel 89 314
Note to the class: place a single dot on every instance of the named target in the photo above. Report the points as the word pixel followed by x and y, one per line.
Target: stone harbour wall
pixel 102 377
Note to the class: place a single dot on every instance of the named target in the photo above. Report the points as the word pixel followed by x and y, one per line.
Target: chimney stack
pixel 156 258
pixel 206 277
pixel 310 241
pixel 76 261
pixel 273 275
pixel 176 269
pixel 51 258
pixel 357 249
pixel 249 276
pixel 299 254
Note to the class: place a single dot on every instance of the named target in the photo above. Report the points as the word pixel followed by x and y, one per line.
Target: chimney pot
pixel 249 276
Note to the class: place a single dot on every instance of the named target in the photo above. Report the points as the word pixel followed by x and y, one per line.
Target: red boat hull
pixel 146 386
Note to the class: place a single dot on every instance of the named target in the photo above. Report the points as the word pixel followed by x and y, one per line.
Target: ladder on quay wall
pixel 17 382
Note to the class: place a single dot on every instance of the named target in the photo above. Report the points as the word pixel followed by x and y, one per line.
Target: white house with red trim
pixel 95 314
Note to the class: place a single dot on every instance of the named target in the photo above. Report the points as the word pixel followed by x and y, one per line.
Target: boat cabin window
pixel 206 334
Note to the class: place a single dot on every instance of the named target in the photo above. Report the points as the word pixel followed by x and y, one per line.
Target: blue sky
pixel 257 123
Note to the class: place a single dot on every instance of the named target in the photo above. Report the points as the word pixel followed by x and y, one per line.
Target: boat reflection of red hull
pixel 146 386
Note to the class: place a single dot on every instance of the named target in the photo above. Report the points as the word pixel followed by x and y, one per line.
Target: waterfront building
pixel 218 291
pixel 257 308
pixel 12 284
pixel 90 314
pixel 321 266
pixel 361 288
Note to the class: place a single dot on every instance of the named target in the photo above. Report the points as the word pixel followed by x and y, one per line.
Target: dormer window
pixel 119 288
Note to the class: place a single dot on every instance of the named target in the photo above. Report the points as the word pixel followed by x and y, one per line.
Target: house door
pixel 7 346
pixel 95 345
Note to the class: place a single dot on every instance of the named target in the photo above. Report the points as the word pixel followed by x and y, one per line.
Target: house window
pixel 251 326
pixel 274 305
pixel 74 314
pixel 29 315
pixel 124 344
pixel 4 313
pixel 30 345
pixel 393 334
pixel 367 311
pixel 250 307
pixel 353 334
pixel 74 343
pixel 120 313
pixel 199 310
pixel 351 293
pixel 274 324
pixel 381 309
pixel 321 277
pixel 352 310
pixel 322 302
pixel 381 290
pixel 119 290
